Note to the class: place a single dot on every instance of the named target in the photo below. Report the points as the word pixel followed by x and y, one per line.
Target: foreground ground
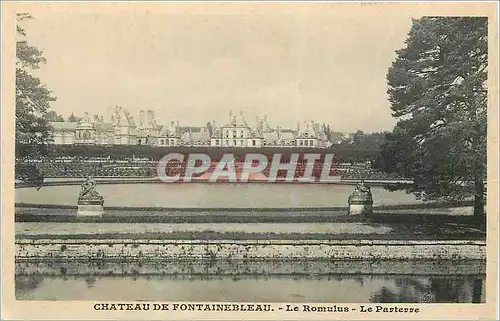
pixel 293 225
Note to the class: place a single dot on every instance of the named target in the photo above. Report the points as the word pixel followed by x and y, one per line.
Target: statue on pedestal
pixel 88 194
pixel 90 203
pixel 361 200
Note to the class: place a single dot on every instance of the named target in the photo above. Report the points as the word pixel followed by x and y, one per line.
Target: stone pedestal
pixel 90 207
pixel 361 207
pixel 360 203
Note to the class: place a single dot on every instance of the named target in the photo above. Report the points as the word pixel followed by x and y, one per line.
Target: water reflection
pixel 75 282
pixel 28 283
pixel 442 290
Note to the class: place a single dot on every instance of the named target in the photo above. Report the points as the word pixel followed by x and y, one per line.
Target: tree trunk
pixel 479 197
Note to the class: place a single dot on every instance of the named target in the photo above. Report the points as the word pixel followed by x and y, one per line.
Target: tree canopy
pixel 437 90
pixel 32 97
pixel 54 117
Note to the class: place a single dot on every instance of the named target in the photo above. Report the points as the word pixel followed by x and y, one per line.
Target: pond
pixel 206 195
pixel 441 284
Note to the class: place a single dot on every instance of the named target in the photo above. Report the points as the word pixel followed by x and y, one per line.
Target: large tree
pixel 32 98
pixel 437 90
pixel 33 131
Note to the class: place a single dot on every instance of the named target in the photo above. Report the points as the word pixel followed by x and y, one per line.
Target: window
pixel 234 142
pixel 234 134
pixel 162 142
pixel 241 134
pixel 172 142
pixel 253 142
pixel 227 142
pixel 301 142
pixel 217 142
pixel 241 142
pixel 311 142
pixel 227 133
pixel 306 142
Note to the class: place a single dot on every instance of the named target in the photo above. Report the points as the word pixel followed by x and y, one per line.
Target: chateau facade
pixel 123 130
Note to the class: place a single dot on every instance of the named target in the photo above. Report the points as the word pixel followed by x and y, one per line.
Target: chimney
pixel 141 118
pixel 210 129
pixel 151 119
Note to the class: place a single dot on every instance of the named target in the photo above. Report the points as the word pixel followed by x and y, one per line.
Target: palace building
pixel 123 130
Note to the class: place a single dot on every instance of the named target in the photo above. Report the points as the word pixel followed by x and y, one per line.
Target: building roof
pixel 255 133
pixel 108 127
pixel 287 135
pixel 142 132
pixel 168 134
pixel 183 129
pixel 216 132
pixel 275 135
pixel 306 134
pixel 193 137
pixel 63 126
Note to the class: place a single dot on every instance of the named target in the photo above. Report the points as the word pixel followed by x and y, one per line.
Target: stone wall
pixel 60 249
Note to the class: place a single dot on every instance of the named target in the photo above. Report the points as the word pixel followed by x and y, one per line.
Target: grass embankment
pixel 409 217
pixel 402 227
pixel 406 222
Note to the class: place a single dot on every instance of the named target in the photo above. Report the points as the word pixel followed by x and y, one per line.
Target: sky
pixel 325 66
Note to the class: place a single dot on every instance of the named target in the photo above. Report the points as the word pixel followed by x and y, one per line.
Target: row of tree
pixel 53 116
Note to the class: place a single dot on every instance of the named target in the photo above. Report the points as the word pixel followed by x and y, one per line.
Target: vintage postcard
pixel 249 160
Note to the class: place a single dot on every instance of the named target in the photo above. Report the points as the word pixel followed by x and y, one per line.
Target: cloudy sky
pixel 327 66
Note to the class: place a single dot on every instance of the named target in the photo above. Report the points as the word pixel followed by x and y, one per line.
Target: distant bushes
pixel 343 153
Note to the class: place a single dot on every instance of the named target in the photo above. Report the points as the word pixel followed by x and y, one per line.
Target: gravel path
pixel 39 228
